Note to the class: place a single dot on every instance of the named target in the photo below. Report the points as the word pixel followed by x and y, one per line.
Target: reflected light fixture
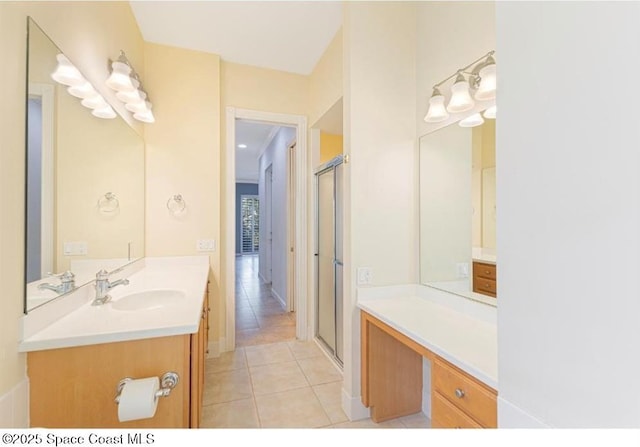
pixel 490 113
pixel 67 74
pixel 472 121
pixel 437 111
pixel 126 82
pixel 476 80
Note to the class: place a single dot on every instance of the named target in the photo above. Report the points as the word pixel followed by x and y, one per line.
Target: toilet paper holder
pixel 168 381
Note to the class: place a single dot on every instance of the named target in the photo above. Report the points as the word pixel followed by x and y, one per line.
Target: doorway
pixel 278 236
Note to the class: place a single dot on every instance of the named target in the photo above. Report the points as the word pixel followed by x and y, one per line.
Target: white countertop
pixel 467 340
pixel 87 324
pixel 483 254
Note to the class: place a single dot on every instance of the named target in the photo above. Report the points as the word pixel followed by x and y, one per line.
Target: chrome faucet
pixel 103 286
pixel 67 283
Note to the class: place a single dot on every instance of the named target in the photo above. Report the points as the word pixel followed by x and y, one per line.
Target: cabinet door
pixel 197 372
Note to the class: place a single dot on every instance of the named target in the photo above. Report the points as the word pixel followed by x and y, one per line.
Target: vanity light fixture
pixel 67 74
pixel 490 113
pixel 472 121
pixel 437 111
pixel 476 80
pixel 126 82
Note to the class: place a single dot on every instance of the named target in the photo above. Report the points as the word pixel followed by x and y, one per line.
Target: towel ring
pixel 108 203
pixel 176 204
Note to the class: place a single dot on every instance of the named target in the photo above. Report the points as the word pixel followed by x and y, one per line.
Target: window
pixel 250 209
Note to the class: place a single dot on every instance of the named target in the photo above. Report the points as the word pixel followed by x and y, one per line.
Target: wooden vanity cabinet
pixel 485 278
pixel 75 387
pixel 391 378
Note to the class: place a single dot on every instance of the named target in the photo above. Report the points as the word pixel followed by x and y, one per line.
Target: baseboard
pixel 14 406
pixel 264 280
pixel 353 407
pixel 216 348
pixel 512 416
pixel 277 296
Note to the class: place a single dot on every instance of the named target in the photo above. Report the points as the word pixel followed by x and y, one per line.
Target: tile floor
pixel 271 380
pixel 260 317
pixel 280 385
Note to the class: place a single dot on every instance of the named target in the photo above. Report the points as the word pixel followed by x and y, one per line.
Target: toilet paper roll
pixel 138 399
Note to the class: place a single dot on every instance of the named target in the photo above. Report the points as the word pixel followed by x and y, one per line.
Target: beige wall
pixel 325 82
pixel 380 138
pixel 183 157
pixel 330 146
pixel 85 31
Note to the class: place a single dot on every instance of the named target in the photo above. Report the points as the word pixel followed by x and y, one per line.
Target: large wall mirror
pixel 458 210
pixel 85 183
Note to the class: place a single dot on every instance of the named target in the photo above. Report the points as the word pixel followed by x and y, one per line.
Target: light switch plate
pixel 462 269
pixel 365 276
pixel 206 245
pixel 77 248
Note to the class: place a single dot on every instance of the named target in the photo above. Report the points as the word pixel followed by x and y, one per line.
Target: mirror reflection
pixel 85 184
pixel 458 210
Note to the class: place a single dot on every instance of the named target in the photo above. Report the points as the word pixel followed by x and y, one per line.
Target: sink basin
pixel 148 300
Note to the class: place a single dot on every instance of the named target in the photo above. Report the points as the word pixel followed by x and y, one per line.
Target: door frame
pixel 291 225
pixel 267 269
pixel 300 255
pixel 46 93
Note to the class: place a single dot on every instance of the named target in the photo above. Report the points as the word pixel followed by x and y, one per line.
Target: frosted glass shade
pixel 119 79
pixel 490 113
pixel 105 112
pixel 94 102
pixel 437 112
pixel 461 100
pixel 472 121
pixel 66 73
pixel 138 107
pixel 145 117
pixel 82 91
pixel 487 88
pixel 133 96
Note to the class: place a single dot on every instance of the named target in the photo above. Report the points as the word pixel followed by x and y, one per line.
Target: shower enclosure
pixel 328 256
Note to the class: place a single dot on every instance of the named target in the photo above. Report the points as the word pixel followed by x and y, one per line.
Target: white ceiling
pixel 257 137
pixel 281 35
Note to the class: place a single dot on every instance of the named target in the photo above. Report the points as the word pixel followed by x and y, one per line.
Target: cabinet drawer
pixel 486 286
pixel 445 415
pixel 466 393
pixel 487 271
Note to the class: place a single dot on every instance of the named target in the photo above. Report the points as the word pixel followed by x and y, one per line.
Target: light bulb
pixel 490 113
pixel 437 112
pixel 119 79
pixel 472 121
pixel 460 100
pixel 487 88
pixel 66 73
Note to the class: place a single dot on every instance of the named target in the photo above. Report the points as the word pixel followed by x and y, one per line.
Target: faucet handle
pixel 102 275
pixel 67 277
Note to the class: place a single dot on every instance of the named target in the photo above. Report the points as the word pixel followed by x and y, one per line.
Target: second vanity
pixel 77 353
pixel 401 326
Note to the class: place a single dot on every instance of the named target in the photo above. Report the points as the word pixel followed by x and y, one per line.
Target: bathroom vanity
pixel 157 323
pixel 401 326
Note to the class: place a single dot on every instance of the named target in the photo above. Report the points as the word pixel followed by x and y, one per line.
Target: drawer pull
pixel 486 272
pixel 459 393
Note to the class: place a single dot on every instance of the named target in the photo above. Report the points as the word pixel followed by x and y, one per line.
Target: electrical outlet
pixel 365 276
pixel 206 245
pixel 462 269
